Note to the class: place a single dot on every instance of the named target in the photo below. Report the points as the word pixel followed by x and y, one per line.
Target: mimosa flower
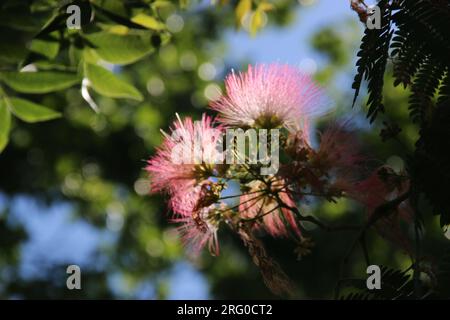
pixel 330 170
pixel 270 96
pixel 273 218
pixel 200 229
pixel 184 162
pixel 376 191
pixel 339 149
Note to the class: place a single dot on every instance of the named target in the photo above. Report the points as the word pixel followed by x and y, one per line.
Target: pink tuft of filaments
pixel 276 93
pixel 183 180
pixel 266 210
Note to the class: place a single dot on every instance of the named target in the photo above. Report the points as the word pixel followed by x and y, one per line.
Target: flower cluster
pixel 265 97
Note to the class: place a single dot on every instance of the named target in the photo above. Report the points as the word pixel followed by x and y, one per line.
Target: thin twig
pixel 380 212
pixel 239 195
pixel 259 216
pixel 317 222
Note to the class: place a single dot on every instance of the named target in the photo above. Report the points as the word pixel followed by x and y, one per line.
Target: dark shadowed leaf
pixel 5 124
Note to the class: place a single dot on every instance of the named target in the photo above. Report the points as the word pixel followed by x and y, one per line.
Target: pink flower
pixel 339 148
pixel 330 170
pixel 274 219
pixel 200 229
pixel 380 187
pixel 339 158
pixel 185 201
pixel 270 96
pixel 184 162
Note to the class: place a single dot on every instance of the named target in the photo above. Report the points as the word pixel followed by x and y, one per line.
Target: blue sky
pixel 288 45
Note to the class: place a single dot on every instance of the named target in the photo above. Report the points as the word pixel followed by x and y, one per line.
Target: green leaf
pixel 39 82
pixel 183 4
pixel 117 7
pixel 148 22
pixel 266 6
pixel 48 49
pixel 159 4
pixel 243 7
pixel 31 112
pixel 5 124
pixel 120 49
pixel 115 28
pixel 108 84
pixel 256 22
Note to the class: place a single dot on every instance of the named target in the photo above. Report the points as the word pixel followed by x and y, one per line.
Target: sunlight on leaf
pixel 39 82
pixel 108 84
pixel 5 124
pixel 148 22
pixel 120 49
pixel 242 9
pixel 31 112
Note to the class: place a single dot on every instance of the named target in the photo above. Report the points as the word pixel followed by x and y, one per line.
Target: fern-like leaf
pixel 371 65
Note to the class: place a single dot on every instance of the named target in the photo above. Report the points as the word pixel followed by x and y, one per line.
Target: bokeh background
pixel 73 190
